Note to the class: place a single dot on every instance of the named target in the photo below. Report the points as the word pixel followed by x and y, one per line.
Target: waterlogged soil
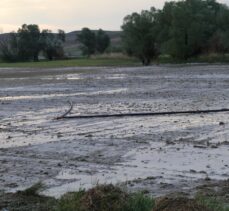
pixel 158 154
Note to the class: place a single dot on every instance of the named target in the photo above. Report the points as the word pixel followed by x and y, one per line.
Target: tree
pixel 139 35
pixel 193 27
pixel 102 41
pixel 61 35
pixel 182 29
pixel 219 41
pixel 9 49
pixel 92 42
pixel 28 42
pixel 51 45
pixel 188 28
pixel 87 38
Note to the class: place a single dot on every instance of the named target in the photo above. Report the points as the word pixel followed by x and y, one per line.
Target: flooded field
pixel 160 154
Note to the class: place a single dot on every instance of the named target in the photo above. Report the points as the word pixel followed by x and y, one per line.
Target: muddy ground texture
pixel 161 155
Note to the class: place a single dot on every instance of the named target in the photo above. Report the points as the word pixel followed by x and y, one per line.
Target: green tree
pixel 182 29
pixel 189 29
pixel 139 35
pixel 61 35
pixel 87 38
pixel 51 44
pixel 219 41
pixel 193 27
pixel 9 48
pixel 102 41
pixel 28 42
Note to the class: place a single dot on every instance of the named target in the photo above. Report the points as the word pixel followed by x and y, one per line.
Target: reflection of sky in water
pixel 158 161
pixel 24 97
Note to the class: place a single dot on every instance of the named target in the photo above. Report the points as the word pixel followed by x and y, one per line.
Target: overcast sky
pixel 70 15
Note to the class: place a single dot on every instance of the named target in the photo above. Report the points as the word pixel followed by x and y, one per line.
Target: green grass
pixel 115 60
pixel 139 202
pixel 71 201
pixel 104 198
pixel 75 63
pixel 99 198
pixel 205 58
pixel 213 203
pixel 212 58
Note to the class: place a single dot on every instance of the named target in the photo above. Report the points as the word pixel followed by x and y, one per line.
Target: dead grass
pixel 104 197
pixel 179 204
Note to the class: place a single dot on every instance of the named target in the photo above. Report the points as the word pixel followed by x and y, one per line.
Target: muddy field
pixel 162 154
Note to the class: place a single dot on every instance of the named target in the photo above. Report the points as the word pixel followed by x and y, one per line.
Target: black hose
pixel 141 114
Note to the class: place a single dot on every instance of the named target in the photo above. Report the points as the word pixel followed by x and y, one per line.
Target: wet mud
pixel 161 155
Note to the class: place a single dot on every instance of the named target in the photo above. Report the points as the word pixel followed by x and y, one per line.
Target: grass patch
pixel 179 204
pixel 90 62
pixel 71 201
pixel 213 203
pixel 105 198
pixel 114 59
pixel 205 58
pixel 212 58
pixel 99 198
pixel 27 200
pixel 139 202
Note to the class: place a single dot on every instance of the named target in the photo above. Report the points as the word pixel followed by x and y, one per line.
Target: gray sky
pixel 70 15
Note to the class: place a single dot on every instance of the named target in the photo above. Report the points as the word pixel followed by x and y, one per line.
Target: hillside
pixel 4 36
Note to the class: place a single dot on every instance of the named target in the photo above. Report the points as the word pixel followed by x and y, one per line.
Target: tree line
pixel 29 41
pixel 182 29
